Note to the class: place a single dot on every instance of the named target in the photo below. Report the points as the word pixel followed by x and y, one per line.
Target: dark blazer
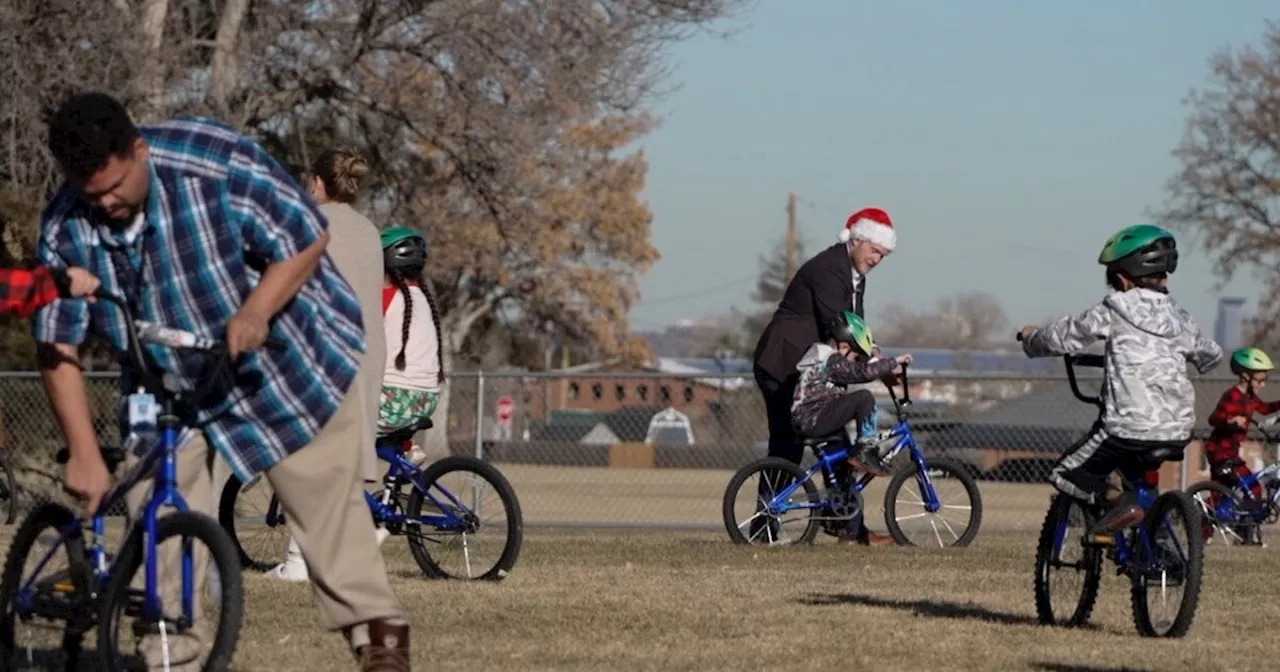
pixel 820 290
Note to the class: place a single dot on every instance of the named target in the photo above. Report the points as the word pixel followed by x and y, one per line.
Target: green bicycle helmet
pixel 847 327
pixel 1250 359
pixel 403 248
pixel 1140 250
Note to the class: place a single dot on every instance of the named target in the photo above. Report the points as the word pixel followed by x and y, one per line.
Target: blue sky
pixel 1006 139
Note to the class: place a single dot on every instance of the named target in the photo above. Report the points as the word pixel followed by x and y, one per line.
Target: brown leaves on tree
pixel 500 129
pixel 1227 193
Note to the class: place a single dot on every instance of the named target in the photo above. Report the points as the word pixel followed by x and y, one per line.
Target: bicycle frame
pixel 903 439
pixel 164 491
pixel 403 469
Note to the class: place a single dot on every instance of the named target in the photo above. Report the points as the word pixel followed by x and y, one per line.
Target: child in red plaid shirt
pixel 22 292
pixel 1230 420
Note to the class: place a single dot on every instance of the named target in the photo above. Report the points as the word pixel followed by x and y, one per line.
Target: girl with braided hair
pixel 415 354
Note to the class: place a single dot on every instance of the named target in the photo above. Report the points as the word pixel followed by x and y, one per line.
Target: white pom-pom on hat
pixel 872 225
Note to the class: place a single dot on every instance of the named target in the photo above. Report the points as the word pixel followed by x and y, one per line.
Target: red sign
pixel 506 408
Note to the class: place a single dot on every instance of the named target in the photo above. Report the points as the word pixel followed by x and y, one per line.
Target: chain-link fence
pixel 655 449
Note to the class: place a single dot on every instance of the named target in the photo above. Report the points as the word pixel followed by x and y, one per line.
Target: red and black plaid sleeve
pixel 23 292
pixel 1232 403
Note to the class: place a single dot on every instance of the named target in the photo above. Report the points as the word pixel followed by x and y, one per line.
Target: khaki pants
pixel 334 532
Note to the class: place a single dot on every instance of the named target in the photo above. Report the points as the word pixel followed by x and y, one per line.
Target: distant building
pixel 1228 329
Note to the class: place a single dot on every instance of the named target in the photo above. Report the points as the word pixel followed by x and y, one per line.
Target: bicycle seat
pixel 112 455
pixel 403 434
pixel 821 440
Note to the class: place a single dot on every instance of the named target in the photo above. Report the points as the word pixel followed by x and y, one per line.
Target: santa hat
pixel 871 225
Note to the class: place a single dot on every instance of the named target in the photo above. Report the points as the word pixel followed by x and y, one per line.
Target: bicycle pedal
pixel 1105 539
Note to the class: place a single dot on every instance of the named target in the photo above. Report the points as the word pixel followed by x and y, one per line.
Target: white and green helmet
pixel 1250 359
pixel 849 327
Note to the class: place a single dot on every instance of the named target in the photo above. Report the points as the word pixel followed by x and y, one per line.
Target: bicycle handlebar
pixel 140 331
pixel 1074 360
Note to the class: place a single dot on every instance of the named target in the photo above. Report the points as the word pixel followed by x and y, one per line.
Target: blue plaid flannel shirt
pixel 220 210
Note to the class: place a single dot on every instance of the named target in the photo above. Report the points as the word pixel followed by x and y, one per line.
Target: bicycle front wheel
pixel 252 517
pixel 465 523
pixel 1068 572
pixel 214 626
pixel 1166 583
pixel 956 513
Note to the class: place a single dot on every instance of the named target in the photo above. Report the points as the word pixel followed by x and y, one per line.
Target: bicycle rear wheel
pixel 796 522
pixel 1222 511
pixel 467 493
pixel 211 637
pixel 56 607
pixel 1068 572
pixel 1166 585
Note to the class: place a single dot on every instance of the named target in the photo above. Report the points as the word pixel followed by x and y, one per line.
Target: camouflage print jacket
pixel 824 373
pixel 1149 340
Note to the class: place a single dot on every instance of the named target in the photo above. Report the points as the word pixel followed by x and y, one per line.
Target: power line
pixel 700 292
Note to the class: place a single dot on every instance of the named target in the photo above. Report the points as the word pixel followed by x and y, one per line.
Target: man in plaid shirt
pixel 203 231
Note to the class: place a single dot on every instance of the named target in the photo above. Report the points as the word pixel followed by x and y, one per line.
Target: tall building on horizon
pixel 1228 329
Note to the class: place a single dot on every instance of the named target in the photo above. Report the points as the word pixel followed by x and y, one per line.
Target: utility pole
pixel 791 235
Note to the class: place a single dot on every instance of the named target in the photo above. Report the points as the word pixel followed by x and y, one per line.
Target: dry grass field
pixel 690 497
pixel 597 600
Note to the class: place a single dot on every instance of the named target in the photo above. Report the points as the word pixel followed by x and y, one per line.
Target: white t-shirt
pixel 421 356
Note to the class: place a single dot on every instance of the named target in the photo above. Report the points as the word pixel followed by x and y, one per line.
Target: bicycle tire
pixel 776 463
pixel 8 489
pixel 223 557
pixel 943 464
pixel 42 518
pixel 507 494
pixel 1209 516
pixel 1090 559
pixel 227 519
pixel 1181 503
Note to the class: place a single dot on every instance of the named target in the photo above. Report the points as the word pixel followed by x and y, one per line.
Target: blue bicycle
pixel 1164 570
pixel 90 588
pixel 786 493
pixel 1236 512
pixel 449 537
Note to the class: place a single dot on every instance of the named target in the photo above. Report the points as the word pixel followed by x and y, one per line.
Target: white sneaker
pixel 381 534
pixel 293 569
pixel 292 572
pixel 417 455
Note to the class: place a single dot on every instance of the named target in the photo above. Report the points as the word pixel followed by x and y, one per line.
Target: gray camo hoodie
pixel 1149 341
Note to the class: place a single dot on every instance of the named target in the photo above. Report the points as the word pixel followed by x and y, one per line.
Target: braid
pixel 435 320
pixel 397 279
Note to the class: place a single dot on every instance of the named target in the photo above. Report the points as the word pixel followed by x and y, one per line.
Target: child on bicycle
pixel 1231 418
pixel 411 384
pixel 1149 403
pixel 822 405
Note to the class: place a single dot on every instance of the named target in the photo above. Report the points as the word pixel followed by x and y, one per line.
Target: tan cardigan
pixel 356 250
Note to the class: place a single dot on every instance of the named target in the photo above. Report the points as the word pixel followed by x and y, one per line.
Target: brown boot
pixel 388 648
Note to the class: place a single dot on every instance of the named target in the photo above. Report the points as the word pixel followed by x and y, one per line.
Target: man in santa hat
pixel 830 283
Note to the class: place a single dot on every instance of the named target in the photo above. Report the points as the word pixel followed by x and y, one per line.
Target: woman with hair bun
pixel 356 249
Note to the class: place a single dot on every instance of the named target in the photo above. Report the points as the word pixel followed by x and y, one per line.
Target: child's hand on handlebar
pixel 1239 421
pixel 1027 332
pixel 81 283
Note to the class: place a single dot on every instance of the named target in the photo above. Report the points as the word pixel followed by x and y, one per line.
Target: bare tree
pixel 967 321
pixel 1227 192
